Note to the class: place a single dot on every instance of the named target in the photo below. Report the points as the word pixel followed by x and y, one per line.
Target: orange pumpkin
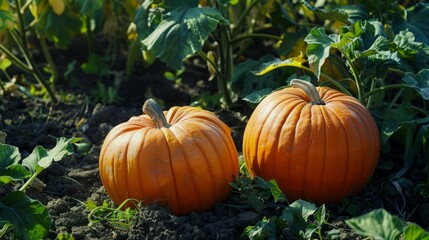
pixel 317 143
pixel 184 158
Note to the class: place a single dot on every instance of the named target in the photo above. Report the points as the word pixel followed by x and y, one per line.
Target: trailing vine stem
pixel 358 81
pixel 151 108
pixel 309 89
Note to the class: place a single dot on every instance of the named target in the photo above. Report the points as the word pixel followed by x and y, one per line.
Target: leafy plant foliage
pixel 22 216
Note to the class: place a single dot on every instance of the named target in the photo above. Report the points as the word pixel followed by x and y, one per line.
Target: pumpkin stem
pixel 309 89
pixel 151 108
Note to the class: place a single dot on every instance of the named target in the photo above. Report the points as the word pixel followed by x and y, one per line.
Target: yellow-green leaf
pixel 290 62
pixel 4 5
pixel 58 6
pixel 6 17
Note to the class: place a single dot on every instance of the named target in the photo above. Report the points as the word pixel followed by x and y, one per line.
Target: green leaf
pixel 32 160
pixel 380 44
pixel 95 65
pixel 393 120
pixel 258 95
pixel 13 173
pixel 246 79
pixel 40 158
pixel 60 29
pixel 276 63
pixel 323 14
pixel 9 155
pixel 264 229
pixel 297 214
pixel 415 232
pixel 416 21
pixel 415 55
pixel 182 32
pixel 87 8
pixel 273 187
pixel 10 170
pixel 420 82
pixel 5 63
pixel 28 218
pixel 147 18
pixel 318 47
pixel 6 16
pixel 377 224
pixel 65 236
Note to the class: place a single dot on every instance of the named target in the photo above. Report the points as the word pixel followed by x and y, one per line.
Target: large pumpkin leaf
pixel 58 6
pixel 245 81
pixel 183 30
pixel 60 29
pixel 263 229
pixel 420 82
pixel 9 155
pixel 414 231
pixel 88 7
pixel 28 218
pixel 416 21
pixel 41 158
pixel 6 16
pixel 393 119
pixel 147 19
pixel 10 170
pixel 413 54
pixel 327 14
pixel 377 224
pixel 297 214
pixel 13 173
pixel 275 63
pixel 319 45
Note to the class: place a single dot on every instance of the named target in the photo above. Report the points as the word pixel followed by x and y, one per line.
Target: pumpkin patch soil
pixel 75 180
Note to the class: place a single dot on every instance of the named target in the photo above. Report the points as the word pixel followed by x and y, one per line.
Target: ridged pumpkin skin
pixel 186 167
pixel 321 153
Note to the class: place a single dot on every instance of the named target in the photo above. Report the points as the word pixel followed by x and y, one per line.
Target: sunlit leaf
pixel 182 32
pixel 414 232
pixel 5 63
pixel 6 16
pixel 41 158
pixel 58 6
pixel 28 218
pixel 415 54
pixel 4 5
pixel 277 63
pixel 319 45
pixel 377 224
